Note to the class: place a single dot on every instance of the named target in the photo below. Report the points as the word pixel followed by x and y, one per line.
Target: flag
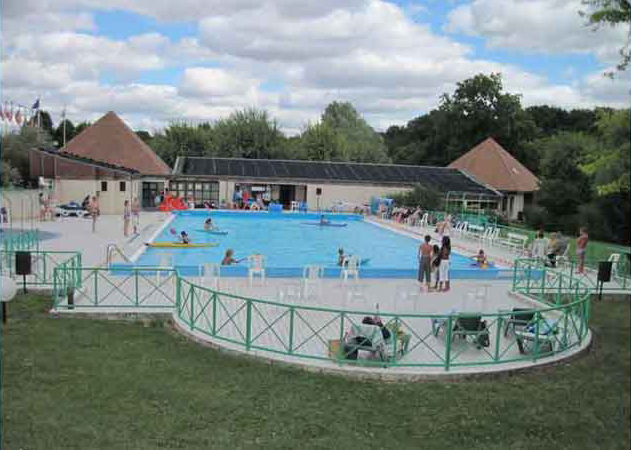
pixel 9 114
pixel 35 105
pixel 18 117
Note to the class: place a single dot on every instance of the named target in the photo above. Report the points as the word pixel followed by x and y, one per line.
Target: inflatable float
pixel 325 224
pixel 218 232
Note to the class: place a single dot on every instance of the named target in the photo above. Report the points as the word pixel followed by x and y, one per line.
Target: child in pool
pixel 480 259
pixel 208 225
pixel 184 238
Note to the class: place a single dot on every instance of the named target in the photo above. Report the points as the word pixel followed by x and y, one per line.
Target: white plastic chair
pixel 210 273
pixel 311 278
pixel 295 205
pixel 614 258
pixel 350 268
pixel 255 263
pixel 424 220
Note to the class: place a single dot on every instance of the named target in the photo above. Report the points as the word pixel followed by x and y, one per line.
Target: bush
pixel 536 217
pixel 425 197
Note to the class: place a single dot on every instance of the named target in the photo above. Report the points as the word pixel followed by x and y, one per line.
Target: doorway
pixel 287 194
pixel 149 192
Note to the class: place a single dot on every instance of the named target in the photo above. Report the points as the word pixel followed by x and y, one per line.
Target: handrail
pixel 110 250
pixel 303 331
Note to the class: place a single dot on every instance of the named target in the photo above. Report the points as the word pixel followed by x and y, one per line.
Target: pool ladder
pixel 111 249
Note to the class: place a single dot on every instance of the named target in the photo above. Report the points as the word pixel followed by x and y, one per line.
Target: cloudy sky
pixel 154 61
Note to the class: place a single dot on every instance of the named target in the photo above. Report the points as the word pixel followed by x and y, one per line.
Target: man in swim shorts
pixel 425 268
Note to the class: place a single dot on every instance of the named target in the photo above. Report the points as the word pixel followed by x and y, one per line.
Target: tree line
pixel 581 156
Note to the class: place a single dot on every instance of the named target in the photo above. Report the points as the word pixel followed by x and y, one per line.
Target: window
pixel 103 186
pixel 122 186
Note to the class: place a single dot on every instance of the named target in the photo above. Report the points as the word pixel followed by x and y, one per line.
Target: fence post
pixel 214 313
pixel 96 286
pixel 191 305
pixel 543 285
pixel 79 277
pixel 178 304
pixel 136 286
pixel 342 349
pixel 537 320
pixel 291 330
pixel 497 338
pixel 248 323
pixel 55 297
pixel 448 339
pixel 515 274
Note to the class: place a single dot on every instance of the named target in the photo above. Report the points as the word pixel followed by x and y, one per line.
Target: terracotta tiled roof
pixel 110 141
pixel 489 163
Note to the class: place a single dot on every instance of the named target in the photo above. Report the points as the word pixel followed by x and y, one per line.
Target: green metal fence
pixel 322 334
pixel 106 288
pixel 43 264
pixel 566 274
pixel 19 241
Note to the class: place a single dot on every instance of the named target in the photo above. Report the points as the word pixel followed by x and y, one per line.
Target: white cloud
pixel 541 26
pixel 214 82
pixel 291 58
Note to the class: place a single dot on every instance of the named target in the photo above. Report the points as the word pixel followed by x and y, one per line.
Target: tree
pixel 9 175
pixel 564 186
pixel 478 108
pixel 609 165
pixel 610 13
pixel 82 126
pixel 424 196
pixel 322 143
pixel 182 140
pixel 16 146
pixel 42 119
pixel 144 136
pixel 360 142
pixel 248 133
pixel 58 134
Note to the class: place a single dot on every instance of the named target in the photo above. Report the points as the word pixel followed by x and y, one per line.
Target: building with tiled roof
pixel 107 159
pixel 491 164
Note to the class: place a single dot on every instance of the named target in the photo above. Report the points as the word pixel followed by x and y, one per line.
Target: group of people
pixel 551 249
pixel 434 263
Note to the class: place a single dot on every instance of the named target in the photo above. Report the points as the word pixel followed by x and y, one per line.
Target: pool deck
pixel 401 296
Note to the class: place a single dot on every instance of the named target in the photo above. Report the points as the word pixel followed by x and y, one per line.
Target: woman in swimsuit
pixel 581 246
pixel 445 251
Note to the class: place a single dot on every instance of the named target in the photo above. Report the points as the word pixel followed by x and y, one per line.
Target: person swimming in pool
pixel 480 259
pixel 208 225
pixel 340 257
pixel 228 259
pixel 184 239
pixel 324 221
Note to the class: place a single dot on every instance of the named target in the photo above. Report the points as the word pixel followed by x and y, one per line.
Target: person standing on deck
pixel 94 212
pixel 445 251
pixel 126 218
pixel 135 214
pixel 425 268
pixel 581 247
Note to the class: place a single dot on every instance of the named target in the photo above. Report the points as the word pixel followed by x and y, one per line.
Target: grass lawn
pixel 84 384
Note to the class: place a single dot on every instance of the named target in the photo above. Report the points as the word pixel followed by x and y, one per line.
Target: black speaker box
pixel 22 263
pixel 604 271
pixel 318 191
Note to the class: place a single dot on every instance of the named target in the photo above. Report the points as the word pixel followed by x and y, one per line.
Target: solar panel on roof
pixel 440 178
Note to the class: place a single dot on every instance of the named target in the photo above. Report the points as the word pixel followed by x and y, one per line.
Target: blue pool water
pixel 289 244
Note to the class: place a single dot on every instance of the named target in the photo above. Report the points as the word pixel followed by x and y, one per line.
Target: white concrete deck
pixel 148 294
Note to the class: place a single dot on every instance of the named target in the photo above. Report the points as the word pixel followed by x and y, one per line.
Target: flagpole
pixel 64 116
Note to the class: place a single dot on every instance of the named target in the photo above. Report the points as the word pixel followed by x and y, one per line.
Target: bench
pixel 475 231
pixel 514 241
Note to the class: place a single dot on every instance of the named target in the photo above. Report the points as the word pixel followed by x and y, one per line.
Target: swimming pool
pixel 291 241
